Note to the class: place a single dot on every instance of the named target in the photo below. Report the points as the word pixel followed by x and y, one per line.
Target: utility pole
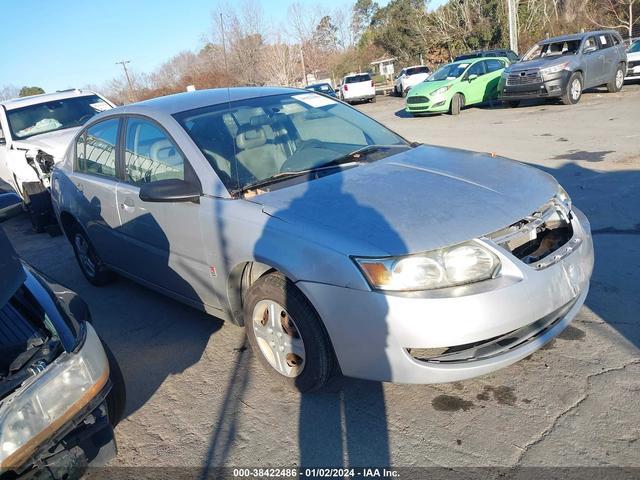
pixel 126 74
pixel 513 24
pixel 224 46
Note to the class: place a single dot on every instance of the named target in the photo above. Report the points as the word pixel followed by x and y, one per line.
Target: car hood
pixel 426 88
pixel 53 143
pixel 633 57
pixel 12 272
pixel 539 63
pixel 418 200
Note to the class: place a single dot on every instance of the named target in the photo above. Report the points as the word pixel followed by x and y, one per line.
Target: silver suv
pixel 563 67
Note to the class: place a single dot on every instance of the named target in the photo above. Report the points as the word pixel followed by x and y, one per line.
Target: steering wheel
pixel 307 156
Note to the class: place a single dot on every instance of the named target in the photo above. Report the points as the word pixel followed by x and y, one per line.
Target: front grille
pixel 539 235
pixel 524 78
pixel 492 347
pixel 417 99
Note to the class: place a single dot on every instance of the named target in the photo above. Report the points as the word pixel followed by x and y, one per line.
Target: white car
pixel 409 77
pixel 34 134
pixel 357 87
pixel 633 61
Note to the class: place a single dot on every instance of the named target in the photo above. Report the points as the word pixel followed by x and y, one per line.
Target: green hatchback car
pixel 456 85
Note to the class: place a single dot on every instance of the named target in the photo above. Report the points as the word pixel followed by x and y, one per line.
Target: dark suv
pixel 562 67
pixel 501 52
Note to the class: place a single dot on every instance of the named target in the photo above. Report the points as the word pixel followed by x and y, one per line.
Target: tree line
pixel 242 48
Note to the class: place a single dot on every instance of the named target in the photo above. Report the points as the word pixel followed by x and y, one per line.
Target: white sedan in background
pixel 633 61
pixel 409 77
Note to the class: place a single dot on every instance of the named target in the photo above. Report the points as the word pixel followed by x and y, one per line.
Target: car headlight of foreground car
pixel 461 264
pixel 555 69
pixel 52 399
pixel 436 94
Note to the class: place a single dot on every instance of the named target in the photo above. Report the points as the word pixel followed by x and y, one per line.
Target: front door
pixel 594 63
pixel 165 245
pixel 475 76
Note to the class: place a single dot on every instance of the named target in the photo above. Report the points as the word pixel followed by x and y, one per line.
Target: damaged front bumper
pixel 87 440
pixel 461 332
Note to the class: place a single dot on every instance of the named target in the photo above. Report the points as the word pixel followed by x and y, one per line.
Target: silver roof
pixel 575 36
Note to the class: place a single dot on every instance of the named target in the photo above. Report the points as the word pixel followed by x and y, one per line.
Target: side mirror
pixel 170 191
pixel 590 49
pixel 472 77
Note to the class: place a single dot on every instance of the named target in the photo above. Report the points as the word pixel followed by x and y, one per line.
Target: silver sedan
pixel 338 245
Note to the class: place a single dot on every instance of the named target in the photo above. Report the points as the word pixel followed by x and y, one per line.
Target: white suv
pixel 34 134
pixel 357 87
pixel 410 77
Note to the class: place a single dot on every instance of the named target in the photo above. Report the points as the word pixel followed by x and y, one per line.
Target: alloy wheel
pixel 576 89
pixel 82 247
pixel 278 338
pixel 619 79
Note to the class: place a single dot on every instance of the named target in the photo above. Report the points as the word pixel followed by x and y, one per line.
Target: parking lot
pixel 196 397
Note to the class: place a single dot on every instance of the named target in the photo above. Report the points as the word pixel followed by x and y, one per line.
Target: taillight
pixel 373 84
pixel 346 88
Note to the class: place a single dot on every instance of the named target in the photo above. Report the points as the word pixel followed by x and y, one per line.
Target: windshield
pixel 53 115
pixel 324 88
pixel 253 140
pixel 635 47
pixel 417 70
pixel 449 72
pixel 555 49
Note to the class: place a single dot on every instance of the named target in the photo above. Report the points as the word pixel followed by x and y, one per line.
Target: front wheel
pixel 117 397
pixel 617 82
pixel 89 261
pixel 287 334
pixel 573 93
pixel 457 102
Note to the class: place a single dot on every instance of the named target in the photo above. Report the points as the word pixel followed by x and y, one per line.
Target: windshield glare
pixel 253 140
pixel 449 72
pixel 555 49
pixel 53 115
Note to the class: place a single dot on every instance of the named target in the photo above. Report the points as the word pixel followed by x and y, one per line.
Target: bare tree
pixel 618 14
pixel 8 92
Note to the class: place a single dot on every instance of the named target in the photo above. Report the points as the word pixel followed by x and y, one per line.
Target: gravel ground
pixel 197 397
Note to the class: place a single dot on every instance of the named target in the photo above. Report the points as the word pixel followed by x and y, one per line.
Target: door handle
pixel 128 205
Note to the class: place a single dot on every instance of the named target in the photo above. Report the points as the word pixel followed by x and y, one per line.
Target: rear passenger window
pixel 96 149
pixel 605 41
pixel 150 155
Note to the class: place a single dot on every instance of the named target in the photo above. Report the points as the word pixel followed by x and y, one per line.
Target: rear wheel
pixel 573 92
pixel 457 102
pixel 373 100
pixel 287 334
pixel 617 82
pixel 90 263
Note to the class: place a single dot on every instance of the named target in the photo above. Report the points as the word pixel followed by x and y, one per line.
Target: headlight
pixel 554 69
pixel 448 267
pixel 53 398
pixel 564 197
pixel 440 91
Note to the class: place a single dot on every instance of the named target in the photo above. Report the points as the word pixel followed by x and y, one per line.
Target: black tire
pixel 617 82
pixel 569 97
pixel 513 103
pixel 98 276
pixel 457 102
pixel 405 92
pixel 373 100
pixel 396 93
pixel 117 397
pixel 319 361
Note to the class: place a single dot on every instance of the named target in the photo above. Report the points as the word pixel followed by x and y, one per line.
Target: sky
pixel 72 43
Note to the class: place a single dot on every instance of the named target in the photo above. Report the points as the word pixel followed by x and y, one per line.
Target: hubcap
pixel 619 79
pixel 576 89
pixel 278 338
pixel 82 247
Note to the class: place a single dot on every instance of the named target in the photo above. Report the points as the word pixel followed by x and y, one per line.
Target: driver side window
pixel 150 155
pixel 478 69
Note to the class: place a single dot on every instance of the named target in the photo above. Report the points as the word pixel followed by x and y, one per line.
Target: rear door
pixel 609 56
pixel 95 180
pixel 494 68
pixel 164 241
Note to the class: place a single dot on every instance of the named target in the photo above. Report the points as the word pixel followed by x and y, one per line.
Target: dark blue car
pixel 323 88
